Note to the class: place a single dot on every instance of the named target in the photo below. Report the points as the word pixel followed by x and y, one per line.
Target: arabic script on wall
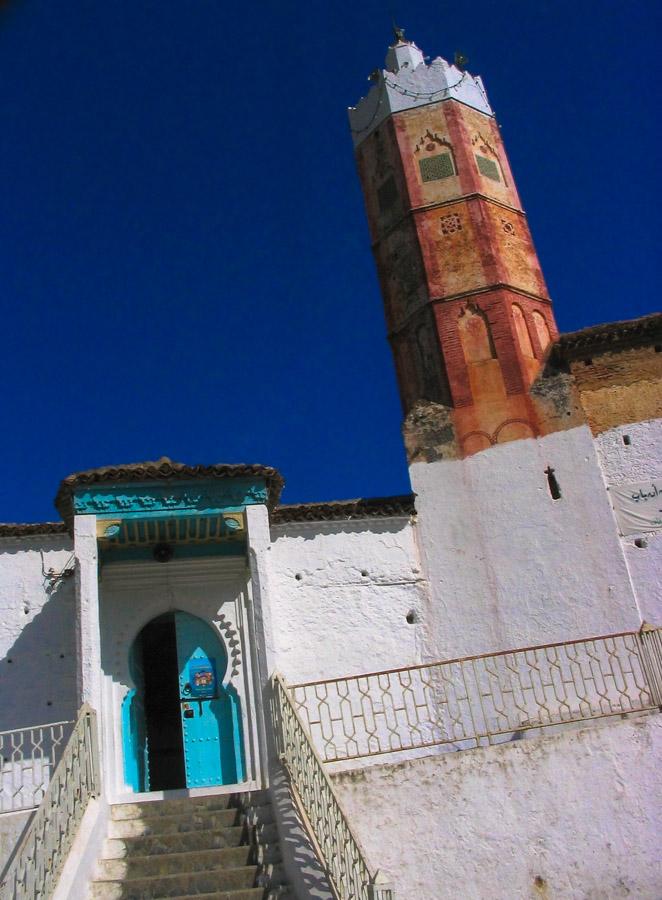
pixel 638 507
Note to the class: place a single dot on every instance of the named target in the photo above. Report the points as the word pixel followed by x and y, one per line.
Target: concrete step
pixel 169 807
pixel 178 842
pixel 171 824
pixel 180 884
pixel 173 863
pixel 245 894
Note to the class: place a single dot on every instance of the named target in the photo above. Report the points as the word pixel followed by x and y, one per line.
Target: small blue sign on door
pixel 202 678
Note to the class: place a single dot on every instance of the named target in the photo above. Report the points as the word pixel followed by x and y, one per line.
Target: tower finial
pixel 398 33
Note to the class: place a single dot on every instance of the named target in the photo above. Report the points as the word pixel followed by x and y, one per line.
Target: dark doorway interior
pixel 162 713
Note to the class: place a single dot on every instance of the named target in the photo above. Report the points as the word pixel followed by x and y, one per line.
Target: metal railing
pixel 339 850
pixel 28 757
pixel 36 865
pixel 481 700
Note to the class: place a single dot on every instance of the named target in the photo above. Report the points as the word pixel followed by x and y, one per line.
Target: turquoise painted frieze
pixel 133 501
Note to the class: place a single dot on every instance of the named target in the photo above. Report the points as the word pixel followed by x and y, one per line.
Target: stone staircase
pixel 221 847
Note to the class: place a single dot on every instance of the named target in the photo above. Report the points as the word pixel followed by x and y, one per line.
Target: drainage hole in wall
pixel 642 543
pixel 10 660
pixel 298 576
pixel 26 610
pixel 364 573
pixel 539 881
pixel 627 440
pixel 61 655
pixel 411 617
pixel 49 703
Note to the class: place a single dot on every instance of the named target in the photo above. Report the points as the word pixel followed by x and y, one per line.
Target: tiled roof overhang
pixel 163 470
pixel 608 337
pixel 338 510
pixel 25 530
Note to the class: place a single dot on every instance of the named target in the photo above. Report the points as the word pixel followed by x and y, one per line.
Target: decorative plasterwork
pixel 431 141
pixel 132 594
pixel 168 499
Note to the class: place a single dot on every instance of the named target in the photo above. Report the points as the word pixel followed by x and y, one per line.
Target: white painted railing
pixel 28 757
pixel 36 865
pixel 339 850
pixel 481 700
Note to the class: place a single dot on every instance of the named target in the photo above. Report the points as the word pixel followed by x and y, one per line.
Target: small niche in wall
pixel 627 440
pixel 641 543
pixel 412 617
pixel 553 484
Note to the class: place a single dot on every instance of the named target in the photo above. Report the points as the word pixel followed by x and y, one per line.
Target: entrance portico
pixel 166 572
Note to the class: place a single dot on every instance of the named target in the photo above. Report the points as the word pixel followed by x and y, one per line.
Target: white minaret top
pixel 403 55
pixel 408 81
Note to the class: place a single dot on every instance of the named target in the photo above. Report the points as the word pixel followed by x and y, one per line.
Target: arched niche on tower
pixel 542 329
pixel 435 157
pixel 475 335
pixel 487 160
pixel 522 331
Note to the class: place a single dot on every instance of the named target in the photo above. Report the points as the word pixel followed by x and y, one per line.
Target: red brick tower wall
pixel 467 309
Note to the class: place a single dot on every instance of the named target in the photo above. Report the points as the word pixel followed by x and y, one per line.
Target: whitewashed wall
pixel 37 632
pixel 509 566
pixel 340 595
pixel 571 816
pixel 636 462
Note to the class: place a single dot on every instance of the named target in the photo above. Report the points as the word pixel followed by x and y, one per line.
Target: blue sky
pixel 185 266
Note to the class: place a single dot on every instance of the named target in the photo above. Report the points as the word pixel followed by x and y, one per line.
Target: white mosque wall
pixel 630 454
pixel 341 593
pixel 37 631
pixel 575 814
pixel 508 565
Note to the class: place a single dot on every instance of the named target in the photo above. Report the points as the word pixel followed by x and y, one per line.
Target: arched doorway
pixel 181 723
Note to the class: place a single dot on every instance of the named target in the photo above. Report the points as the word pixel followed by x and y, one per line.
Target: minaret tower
pixel 467 310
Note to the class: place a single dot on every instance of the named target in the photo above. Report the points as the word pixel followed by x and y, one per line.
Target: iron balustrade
pixel 339 850
pixel 28 757
pixel 481 700
pixel 37 863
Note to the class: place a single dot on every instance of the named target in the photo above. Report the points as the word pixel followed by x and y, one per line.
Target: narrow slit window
pixel 553 484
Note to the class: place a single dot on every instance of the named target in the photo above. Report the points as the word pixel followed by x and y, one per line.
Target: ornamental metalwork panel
pixel 339 850
pixel 481 700
pixel 28 757
pixel 434 168
pixel 36 866
pixel 488 167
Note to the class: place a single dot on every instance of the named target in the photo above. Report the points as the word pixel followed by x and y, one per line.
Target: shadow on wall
pixel 38 674
pixel 303 868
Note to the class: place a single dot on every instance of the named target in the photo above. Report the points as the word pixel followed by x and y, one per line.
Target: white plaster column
pixel 260 614
pixel 259 548
pixel 88 635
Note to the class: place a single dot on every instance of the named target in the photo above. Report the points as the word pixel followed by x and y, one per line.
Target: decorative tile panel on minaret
pixel 468 313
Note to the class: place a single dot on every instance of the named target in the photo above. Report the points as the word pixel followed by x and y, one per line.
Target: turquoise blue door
pixel 210 713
